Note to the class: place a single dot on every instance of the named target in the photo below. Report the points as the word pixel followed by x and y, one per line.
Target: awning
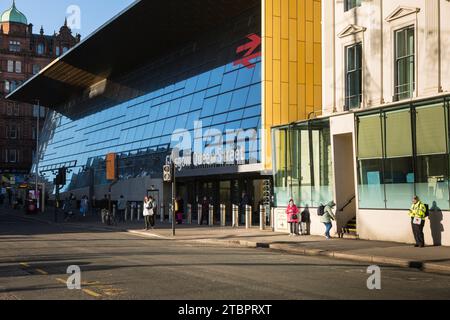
pixel 144 31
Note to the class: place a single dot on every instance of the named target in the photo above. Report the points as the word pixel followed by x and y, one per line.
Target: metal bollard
pixel 235 216
pixel 272 219
pixel 248 217
pixel 223 213
pixel 199 214
pixel 126 213
pixel 139 212
pixel 211 216
pixel 161 213
pixel 262 217
pixel 189 213
pixel 133 209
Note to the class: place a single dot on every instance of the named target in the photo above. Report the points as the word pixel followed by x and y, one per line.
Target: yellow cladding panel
pixel 277 8
pixel 292 61
pixel 276 38
pixel 317 64
pixel 284 60
pixel 284 116
pixel 317 22
pixel 293 9
pixel 284 19
pixel 269 18
pixel 268 58
pixel 292 40
pixel 301 62
pixel 309 10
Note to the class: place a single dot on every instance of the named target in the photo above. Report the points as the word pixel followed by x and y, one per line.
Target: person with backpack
pixel 293 218
pixel 327 216
pixel 418 214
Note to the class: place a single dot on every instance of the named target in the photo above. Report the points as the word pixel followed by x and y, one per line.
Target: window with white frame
pixel 350 4
pixel 7 86
pixel 404 63
pixel 14 46
pixel 36 68
pixel 18 67
pixel 13 132
pixel 353 76
pixel 10 66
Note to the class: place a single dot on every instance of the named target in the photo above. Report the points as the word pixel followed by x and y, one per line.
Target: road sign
pixel 167 173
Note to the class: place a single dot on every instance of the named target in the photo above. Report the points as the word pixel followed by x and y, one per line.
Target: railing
pixel 347 203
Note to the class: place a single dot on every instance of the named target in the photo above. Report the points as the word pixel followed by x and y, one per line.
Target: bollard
pixel 189 213
pixel 235 216
pixel 262 217
pixel 161 213
pixel 139 212
pixel 133 209
pixel 248 217
pixel 223 212
pixel 114 211
pixel 126 213
pixel 272 220
pixel 199 214
pixel 211 216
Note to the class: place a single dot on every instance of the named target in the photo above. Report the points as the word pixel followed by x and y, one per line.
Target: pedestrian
pixel 84 206
pixel 121 206
pixel 243 205
pixel 205 210
pixel 327 218
pixel 293 217
pixel 179 210
pixel 418 214
pixel 305 222
pixel 148 213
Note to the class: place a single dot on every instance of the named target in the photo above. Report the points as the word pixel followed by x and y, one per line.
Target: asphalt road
pixel 34 258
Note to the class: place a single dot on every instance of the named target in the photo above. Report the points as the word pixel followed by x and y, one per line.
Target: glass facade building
pixel 303 164
pixel 199 82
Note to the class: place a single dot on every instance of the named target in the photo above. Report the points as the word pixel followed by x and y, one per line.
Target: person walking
pixel 418 214
pixel 121 206
pixel 327 218
pixel 205 210
pixel 305 222
pixel 84 206
pixel 179 210
pixel 148 213
pixel 293 218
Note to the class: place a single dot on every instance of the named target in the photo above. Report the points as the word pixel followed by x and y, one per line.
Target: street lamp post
pixel 37 153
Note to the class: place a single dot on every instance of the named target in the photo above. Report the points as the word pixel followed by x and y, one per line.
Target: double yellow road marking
pixel 109 291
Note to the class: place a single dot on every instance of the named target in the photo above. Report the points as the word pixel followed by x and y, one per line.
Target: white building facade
pixel 386 93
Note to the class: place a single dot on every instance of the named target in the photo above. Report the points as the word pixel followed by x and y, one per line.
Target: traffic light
pixel 267 192
pixel 61 177
pixel 167 173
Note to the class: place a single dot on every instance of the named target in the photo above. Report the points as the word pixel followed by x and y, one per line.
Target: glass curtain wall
pixel 303 167
pixel 401 153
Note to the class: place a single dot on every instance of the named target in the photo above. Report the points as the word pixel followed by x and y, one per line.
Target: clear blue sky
pixel 51 13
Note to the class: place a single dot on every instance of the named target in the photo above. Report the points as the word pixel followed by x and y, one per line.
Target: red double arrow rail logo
pixel 250 47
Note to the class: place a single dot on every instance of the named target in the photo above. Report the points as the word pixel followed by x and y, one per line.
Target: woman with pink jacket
pixel 293 218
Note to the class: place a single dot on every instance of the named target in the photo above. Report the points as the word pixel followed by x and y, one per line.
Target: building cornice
pixel 401 12
pixel 351 30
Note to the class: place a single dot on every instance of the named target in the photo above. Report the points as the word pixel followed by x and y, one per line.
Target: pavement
pixel 428 259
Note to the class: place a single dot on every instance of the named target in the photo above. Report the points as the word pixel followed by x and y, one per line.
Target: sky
pixel 51 13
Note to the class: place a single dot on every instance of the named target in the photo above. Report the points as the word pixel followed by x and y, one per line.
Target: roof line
pixel 51 64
